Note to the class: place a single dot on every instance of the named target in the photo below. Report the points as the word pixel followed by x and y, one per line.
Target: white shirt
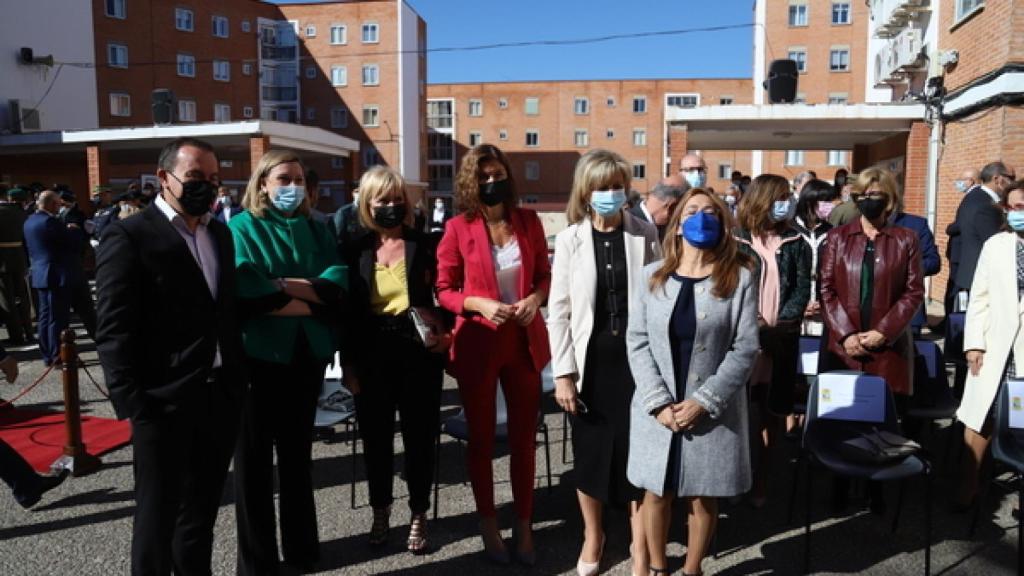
pixel 993 195
pixel 200 245
pixel 508 264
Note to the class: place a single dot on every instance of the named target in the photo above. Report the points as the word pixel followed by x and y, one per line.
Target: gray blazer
pixel 716 453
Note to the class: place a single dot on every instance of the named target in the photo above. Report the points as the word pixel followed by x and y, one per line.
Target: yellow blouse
pixel 390 293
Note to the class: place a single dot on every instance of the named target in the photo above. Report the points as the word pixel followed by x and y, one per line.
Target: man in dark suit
pixel 81 296
pixel 979 217
pixel 50 250
pixel 657 206
pixel 968 180
pixel 169 342
pixel 226 208
pixel 345 222
pixel 12 270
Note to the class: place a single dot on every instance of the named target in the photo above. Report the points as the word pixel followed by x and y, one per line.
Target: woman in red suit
pixel 493 273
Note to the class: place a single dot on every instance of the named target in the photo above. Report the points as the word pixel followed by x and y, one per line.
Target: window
pixel 639 137
pixel 187 110
pixel 840 12
pixel 839 60
pixel 247 112
pixel 724 171
pixel 337 162
pixel 532 138
pixel 117 8
pixel 371 33
pixel 310 72
pixel 799 55
pixel 221 113
pixel 339 34
pixel 609 134
pixel 339 75
pixel 186 65
pixel 439 114
pixel 440 177
pixel 725 100
pixel 837 157
pixel 581 139
pixel 246 26
pixel 371 116
pixel 222 70
pixel 794 158
pixel 532 170
pixel 475 139
pixel 610 101
pixel 476 107
pixel 639 170
pixel 371 75
pixel 502 134
pixel 581 105
pixel 964 8
pixel 531 106
pixel 682 101
pixel 798 14
pixel 246 69
pixel 440 146
pixel 120 104
pixel 310 113
pixel 503 103
pixel 371 157
pixel 339 117
pixel 639 104
pixel 221 27
pixel 310 31
pixel 838 98
pixel 117 55
pixel 184 20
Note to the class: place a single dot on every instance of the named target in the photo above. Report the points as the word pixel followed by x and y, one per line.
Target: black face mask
pixel 196 196
pixel 388 217
pixel 871 208
pixel 494 193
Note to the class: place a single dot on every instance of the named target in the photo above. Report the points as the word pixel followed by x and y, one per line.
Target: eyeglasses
pixel 871 196
pixel 695 169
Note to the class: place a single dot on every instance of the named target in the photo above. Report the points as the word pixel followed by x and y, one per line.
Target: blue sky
pixel 456 23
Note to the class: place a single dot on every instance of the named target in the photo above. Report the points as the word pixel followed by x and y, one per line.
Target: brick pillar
pixel 678 145
pixel 258 146
pixel 915 171
pixel 98 165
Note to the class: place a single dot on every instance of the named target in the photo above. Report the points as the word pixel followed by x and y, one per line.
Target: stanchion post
pixel 74 459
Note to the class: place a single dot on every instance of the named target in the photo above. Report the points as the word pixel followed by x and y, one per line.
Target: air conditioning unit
pixel 20 118
pixel 908 50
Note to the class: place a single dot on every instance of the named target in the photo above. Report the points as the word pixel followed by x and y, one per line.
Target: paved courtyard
pixel 84 526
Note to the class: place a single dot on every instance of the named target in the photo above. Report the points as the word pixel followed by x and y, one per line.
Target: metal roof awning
pixel 792 126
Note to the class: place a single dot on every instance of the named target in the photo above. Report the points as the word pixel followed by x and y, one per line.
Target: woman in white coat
pixel 598 262
pixel 993 339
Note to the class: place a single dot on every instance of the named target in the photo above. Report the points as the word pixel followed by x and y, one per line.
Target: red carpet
pixel 38 435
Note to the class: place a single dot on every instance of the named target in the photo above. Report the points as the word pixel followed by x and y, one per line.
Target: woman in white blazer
pixel 598 263
pixel 993 339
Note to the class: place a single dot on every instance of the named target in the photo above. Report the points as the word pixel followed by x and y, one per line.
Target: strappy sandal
pixel 381 526
pixel 656 571
pixel 417 541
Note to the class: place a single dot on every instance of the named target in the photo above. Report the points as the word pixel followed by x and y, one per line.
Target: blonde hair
pixel 886 183
pixel 595 170
pixel 379 182
pixel 256 200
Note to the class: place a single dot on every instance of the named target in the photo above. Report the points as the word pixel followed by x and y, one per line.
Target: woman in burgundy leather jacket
pixel 868 318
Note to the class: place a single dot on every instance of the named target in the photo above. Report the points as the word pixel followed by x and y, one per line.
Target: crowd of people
pixel 672 331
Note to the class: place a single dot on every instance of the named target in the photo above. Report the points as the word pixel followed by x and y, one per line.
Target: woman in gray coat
pixel 692 341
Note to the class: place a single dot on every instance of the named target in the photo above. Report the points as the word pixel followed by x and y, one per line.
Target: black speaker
pixel 781 81
pixel 165 106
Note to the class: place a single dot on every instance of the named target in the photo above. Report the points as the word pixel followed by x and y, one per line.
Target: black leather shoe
pixel 46 483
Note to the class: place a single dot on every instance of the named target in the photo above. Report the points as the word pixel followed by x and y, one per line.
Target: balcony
pixel 275 52
pixel 280 93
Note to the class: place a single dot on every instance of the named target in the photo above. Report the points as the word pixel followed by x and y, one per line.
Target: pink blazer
pixel 465 268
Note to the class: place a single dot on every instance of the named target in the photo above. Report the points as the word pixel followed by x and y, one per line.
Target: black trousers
pixel 399 374
pixel 15 288
pixel 278 413
pixel 181 461
pixel 18 475
pixel 82 304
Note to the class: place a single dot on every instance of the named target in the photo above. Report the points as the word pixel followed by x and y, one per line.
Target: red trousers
pixel 504 354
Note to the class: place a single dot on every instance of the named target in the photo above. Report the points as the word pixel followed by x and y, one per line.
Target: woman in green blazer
pixel 290 286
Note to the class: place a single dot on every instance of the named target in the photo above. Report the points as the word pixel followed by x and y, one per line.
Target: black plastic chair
pixel 821 445
pixel 1008 448
pixel 933 398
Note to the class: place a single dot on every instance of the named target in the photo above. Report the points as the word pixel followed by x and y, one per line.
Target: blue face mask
pixel 289 198
pixel 695 178
pixel 783 210
pixel 1015 218
pixel 607 202
pixel 702 230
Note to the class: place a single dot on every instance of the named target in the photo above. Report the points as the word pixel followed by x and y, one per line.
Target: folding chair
pixel 826 427
pixel 337 406
pixel 933 398
pixel 457 427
